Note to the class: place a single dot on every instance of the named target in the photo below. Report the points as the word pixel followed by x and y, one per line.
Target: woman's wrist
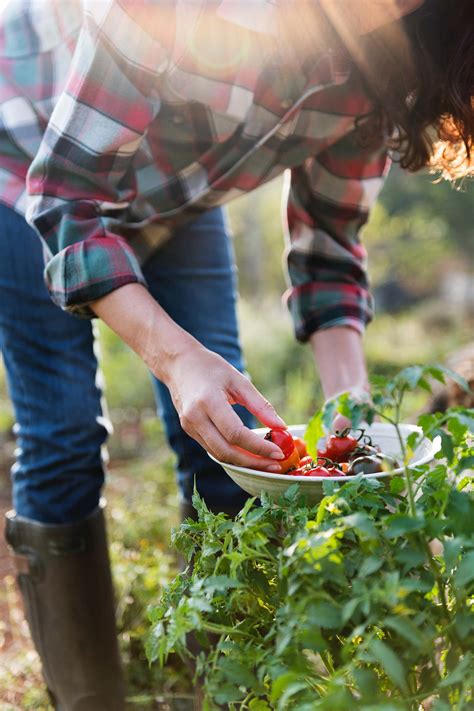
pixel 133 314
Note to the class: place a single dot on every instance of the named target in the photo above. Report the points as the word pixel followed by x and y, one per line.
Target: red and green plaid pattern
pixel 123 119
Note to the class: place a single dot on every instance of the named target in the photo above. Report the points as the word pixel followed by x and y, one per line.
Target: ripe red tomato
pixel 306 460
pixel 339 446
pixel 317 471
pixel 283 439
pixel 300 445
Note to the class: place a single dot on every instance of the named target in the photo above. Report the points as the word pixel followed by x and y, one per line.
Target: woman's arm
pixel 340 360
pixel 202 384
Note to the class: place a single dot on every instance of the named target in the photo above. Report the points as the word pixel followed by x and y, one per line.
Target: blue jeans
pixel 52 369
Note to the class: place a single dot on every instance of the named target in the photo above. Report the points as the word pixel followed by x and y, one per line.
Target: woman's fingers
pixel 213 441
pixel 246 394
pixel 236 434
pixel 340 423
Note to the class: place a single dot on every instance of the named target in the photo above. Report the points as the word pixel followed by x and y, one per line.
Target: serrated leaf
pixel 462 382
pixel 409 376
pixel 390 662
pixel 237 673
pixel 465 572
pixel 447 447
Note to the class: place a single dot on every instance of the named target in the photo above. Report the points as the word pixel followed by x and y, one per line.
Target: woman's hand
pixel 203 386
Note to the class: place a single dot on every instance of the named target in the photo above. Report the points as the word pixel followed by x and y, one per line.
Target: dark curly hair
pixel 420 74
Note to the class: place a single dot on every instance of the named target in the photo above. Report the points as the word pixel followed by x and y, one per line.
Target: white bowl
pixel 383 434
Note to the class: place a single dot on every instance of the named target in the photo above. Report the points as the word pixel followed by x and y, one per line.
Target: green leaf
pixel 408 630
pixel 237 673
pixel 366 681
pixel 369 566
pixel 465 463
pixel 409 376
pixel 290 682
pixel 390 662
pixel 401 524
pixel 324 614
pixel 451 550
pixel 314 432
pixel 465 572
pixel 457 675
pixel 439 705
pixel 460 512
pixel 349 609
pixel 447 447
pixel 220 583
pixel 227 693
pixel 397 484
pixel 463 384
pixel 259 705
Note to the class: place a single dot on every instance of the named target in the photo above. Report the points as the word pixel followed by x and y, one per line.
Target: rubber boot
pixel 64 576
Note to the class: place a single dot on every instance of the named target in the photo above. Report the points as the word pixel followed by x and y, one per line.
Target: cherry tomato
pixel 365 465
pixel 306 460
pixel 339 446
pixel 300 445
pixel 316 471
pixel 289 463
pixel 283 439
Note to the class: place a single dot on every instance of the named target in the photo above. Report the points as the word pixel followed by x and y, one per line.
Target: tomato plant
pixel 364 601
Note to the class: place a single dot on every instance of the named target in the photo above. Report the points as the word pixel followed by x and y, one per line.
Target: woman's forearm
pixel 340 360
pixel 141 322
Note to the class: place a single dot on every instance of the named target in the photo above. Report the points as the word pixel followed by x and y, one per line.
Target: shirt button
pixel 177 119
pixel 286 103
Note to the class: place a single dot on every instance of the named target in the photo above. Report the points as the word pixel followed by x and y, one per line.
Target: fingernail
pixel 277 455
pixel 274 468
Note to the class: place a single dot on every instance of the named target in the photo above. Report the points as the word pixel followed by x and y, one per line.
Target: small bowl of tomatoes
pixel 373 452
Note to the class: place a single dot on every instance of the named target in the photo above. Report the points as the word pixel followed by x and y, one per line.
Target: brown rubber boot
pixel 64 576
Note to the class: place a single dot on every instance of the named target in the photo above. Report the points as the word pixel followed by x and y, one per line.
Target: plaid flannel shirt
pixel 114 131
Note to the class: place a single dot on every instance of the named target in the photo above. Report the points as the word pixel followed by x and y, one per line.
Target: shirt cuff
pixel 88 270
pixel 315 307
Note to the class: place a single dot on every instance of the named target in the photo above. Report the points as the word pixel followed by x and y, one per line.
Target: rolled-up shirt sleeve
pixel 82 177
pixel 329 201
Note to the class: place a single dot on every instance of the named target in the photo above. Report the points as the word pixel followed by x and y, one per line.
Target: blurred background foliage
pixel 420 244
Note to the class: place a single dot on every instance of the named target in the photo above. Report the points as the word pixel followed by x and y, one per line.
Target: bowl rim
pixel 258 474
